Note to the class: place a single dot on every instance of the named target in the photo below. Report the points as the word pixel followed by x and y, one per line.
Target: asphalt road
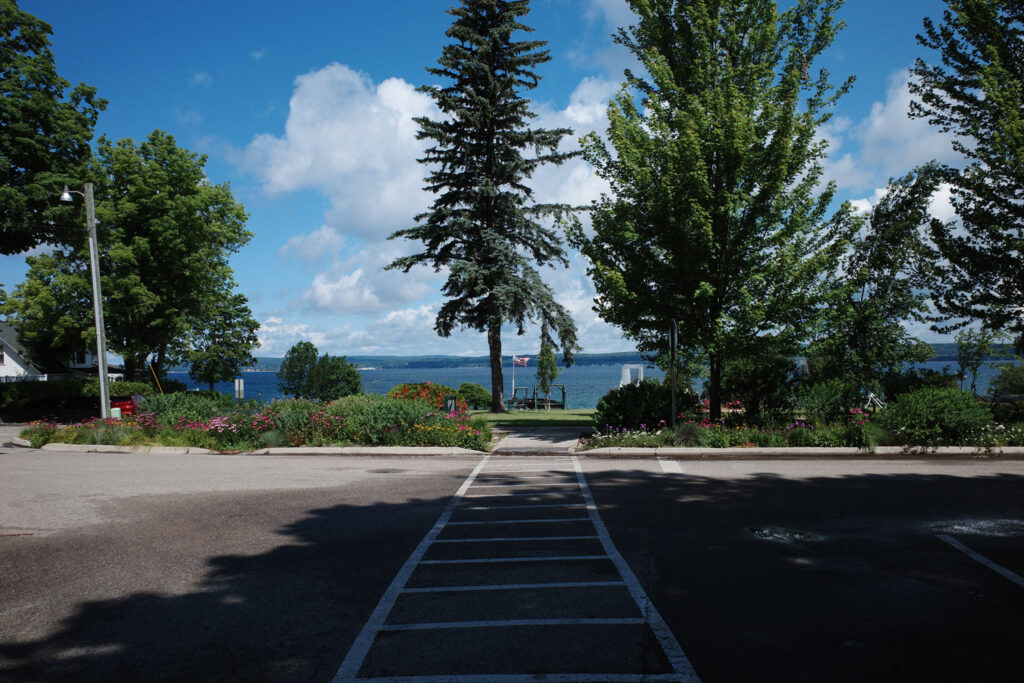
pixel 160 567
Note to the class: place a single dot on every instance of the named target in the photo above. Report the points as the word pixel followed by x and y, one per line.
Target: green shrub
pixel 1010 380
pixel 173 386
pixel 801 434
pixel 188 407
pixel 91 387
pixel 827 400
pixel 936 416
pixel 896 384
pixel 295 418
pixel 643 405
pixel 474 395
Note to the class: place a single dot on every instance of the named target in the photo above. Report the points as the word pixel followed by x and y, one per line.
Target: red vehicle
pixel 127 404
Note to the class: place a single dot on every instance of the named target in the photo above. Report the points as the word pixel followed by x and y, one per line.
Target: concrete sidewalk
pixel 538 440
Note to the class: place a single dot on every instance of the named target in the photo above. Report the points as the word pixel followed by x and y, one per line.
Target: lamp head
pixel 65 196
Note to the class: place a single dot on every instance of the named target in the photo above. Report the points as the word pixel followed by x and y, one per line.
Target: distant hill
pixel 273 364
pixel 944 352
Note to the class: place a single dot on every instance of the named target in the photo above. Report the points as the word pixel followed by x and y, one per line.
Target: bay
pixel 585 385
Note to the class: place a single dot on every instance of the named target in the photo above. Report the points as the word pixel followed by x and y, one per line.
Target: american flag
pixel 520 360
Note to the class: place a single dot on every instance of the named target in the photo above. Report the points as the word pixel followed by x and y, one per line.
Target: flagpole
pixel 513 375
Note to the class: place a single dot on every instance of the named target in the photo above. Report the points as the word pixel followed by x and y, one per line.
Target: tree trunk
pixel 497 378
pixel 715 387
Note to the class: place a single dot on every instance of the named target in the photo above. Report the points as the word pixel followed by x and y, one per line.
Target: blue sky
pixel 305 108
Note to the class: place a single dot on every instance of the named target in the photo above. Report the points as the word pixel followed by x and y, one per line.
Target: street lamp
pixel 97 296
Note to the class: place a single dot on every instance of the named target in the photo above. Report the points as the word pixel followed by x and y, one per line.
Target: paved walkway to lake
pixel 538 440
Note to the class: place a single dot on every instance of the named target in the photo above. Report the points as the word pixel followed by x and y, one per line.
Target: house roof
pixel 9 336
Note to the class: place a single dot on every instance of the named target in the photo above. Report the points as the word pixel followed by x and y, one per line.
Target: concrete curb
pixel 633 453
pixel 802 452
pixel 326 450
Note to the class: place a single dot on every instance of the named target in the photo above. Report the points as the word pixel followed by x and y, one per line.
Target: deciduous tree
pixel 974 89
pixel 884 283
pixel 304 373
pixel 481 226
pixel 717 215
pixel 222 343
pixel 165 234
pixel 45 130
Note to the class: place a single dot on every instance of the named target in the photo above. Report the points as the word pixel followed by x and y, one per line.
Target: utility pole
pixel 97 295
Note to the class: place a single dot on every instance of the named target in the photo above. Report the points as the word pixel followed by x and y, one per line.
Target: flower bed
pixel 200 421
pixel 859 430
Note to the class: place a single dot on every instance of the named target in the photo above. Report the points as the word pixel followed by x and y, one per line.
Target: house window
pixel 2 360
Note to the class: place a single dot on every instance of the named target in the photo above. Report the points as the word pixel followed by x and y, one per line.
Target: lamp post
pixel 97 296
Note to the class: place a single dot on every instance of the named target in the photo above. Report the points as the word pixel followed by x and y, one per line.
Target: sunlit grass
pixel 538 418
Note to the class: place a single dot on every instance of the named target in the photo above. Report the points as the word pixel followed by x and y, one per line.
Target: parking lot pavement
pixel 155 567
pixel 828 570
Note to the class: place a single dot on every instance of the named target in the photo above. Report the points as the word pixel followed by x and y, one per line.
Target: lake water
pixel 585 385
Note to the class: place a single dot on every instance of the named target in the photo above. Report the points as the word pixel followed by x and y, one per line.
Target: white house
pixel 14 366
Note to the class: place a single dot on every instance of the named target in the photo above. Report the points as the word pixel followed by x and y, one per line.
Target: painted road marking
pixel 978 557
pixel 521 521
pixel 514 586
pixel 670 466
pixel 357 653
pixel 507 623
pixel 515 539
pixel 506 486
pixel 500 560
pixel 523 507
pixel 530 678
pixel 669 644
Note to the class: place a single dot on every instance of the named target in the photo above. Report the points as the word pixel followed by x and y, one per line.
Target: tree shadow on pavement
pixel 838 578
pixel 867 593
pixel 287 614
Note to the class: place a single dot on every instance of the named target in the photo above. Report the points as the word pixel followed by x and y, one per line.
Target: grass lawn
pixel 538 418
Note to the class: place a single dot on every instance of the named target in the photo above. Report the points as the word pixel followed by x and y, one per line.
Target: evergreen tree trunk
pixel 497 377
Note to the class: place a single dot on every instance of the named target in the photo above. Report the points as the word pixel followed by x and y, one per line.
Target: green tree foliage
pixel 45 130
pixel 296 367
pixel 885 274
pixel 52 308
pixel 306 374
pixel 976 92
pixel 481 225
pixel 547 371
pixel 763 379
pixel 223 343
pixel 165 234
pixel 715 217
pixel 972 348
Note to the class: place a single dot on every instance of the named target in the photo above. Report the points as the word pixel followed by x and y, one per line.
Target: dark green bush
pixel 936 416
pixel 643 405
pixel 172 386
pixel 1010 380
pixel 828 400
pixel 474 395
pixel 897 383
pixel 80 392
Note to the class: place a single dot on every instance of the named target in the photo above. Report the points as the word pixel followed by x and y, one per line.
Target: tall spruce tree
pixel 481 225
pixel 715 218
pixel 976 92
